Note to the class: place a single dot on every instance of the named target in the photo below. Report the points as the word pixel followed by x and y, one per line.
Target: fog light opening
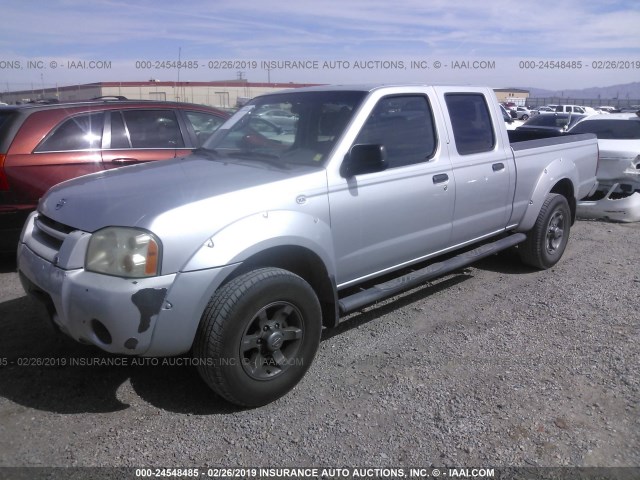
pixel 101 331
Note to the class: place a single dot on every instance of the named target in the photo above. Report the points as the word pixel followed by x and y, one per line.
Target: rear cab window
pixel 471 122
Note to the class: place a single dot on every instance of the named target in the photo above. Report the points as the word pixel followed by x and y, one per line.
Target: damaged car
pixel 618 195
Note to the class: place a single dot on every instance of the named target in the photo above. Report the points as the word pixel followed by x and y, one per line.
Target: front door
pixel 386 219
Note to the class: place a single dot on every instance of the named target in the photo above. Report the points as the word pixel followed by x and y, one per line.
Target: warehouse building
pixel 223 94
pixel 514 95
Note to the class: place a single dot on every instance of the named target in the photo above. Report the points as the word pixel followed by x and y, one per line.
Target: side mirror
pixel 367 158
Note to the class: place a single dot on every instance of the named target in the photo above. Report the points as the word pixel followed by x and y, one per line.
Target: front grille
pixel 52 224
pixel 48 236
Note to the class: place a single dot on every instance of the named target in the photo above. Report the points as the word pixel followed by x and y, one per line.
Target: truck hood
pixel 137 195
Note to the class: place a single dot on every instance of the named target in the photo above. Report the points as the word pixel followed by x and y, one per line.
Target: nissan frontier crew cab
pixel 242 252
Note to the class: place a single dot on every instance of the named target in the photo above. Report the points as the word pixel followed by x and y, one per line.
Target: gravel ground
pixel 498 365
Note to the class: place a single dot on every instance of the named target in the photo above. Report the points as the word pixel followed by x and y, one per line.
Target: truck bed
pixel 517 136
pixel 535 152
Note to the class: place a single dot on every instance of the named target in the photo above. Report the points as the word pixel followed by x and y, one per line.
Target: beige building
pixel 515 95
pixel 224 94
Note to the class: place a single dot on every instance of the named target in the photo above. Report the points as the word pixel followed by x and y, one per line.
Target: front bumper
pixel 115 314
pixel 155 316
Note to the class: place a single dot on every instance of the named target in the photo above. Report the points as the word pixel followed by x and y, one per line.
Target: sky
pixel 502 43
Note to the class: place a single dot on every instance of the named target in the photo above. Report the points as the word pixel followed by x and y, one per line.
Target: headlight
pixel 124 252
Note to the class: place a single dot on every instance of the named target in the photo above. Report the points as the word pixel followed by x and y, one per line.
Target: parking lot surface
pixel 497 365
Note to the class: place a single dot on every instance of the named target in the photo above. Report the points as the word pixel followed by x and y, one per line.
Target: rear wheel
pixel 258 336
pixel 548 238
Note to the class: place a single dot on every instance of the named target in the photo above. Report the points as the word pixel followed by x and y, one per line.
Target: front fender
pixel 258 232
pixel 558 170
pixel 218 258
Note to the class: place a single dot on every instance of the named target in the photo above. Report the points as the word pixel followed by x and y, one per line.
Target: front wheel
pixel 258 336
pixel 548 238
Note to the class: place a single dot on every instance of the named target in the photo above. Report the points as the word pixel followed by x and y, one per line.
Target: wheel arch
pixel 558 177
pixel 306 264
pixel 565 188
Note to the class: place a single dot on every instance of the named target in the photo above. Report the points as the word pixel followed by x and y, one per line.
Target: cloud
pixel 333 29
pixel 330 27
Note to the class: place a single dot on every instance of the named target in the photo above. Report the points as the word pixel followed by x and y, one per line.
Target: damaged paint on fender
pixel 149 302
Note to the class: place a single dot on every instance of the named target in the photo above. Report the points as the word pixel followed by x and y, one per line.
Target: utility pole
pixel 179 55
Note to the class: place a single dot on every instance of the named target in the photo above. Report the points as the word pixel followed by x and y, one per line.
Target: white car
pixel 581 109
pixel 523 113
pixel 543 109
pixel 590 110
pixel 282 118
pixel 618 194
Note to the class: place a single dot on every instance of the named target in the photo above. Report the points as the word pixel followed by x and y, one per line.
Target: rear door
pixel 142 135
pixel 482 166
pixel 69 149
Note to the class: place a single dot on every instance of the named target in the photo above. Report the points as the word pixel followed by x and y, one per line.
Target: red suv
pixel 41 145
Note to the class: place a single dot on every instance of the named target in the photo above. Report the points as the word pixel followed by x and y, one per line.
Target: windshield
pixel 610 129
pixel 289 128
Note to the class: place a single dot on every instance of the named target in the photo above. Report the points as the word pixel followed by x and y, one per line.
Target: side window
pixel 404 125
pixel 119 134
pixel 471 122
pixel 204 124
pixel 82 132
pixel 153 128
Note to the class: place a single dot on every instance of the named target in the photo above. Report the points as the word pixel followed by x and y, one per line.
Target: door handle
pixel 497 167
pixel 440 178
pixel 122 161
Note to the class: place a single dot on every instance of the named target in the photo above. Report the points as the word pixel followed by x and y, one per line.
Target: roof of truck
pixel 369 87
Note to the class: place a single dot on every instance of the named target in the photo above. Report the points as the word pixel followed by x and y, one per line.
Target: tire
pixel 548 238
pixel 258 336
pixel 525 117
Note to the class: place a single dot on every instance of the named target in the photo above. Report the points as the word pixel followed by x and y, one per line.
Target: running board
pixel 410 280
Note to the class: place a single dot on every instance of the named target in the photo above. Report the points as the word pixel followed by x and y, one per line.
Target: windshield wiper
pixel 208 152
pixel 268 158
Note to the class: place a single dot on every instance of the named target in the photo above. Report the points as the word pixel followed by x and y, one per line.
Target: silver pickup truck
pixel 304 206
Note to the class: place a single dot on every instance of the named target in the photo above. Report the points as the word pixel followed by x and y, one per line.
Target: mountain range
pixel 624 91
